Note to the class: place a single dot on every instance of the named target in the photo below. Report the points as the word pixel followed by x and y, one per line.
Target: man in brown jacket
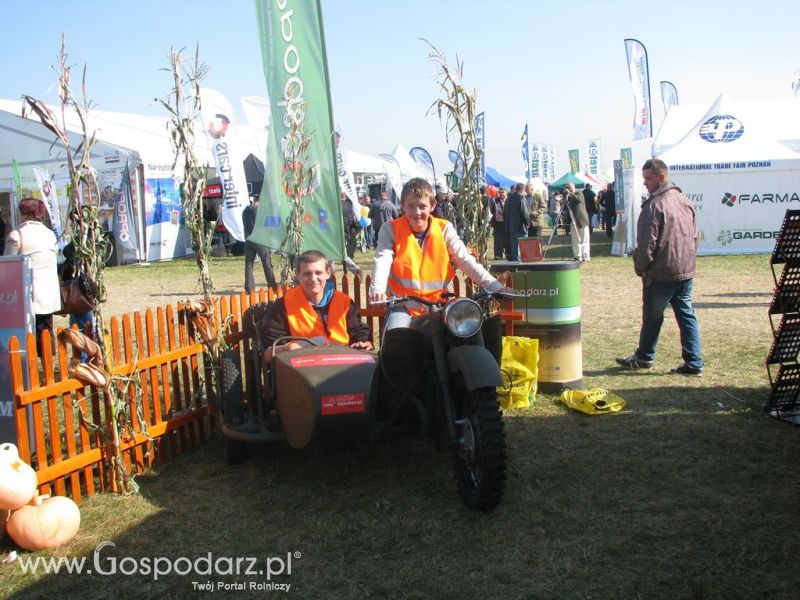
pixel 666 244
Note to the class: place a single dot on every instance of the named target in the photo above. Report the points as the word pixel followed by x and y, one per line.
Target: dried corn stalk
pixel 456 108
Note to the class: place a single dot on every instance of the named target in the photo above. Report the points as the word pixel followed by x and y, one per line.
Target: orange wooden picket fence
pixel 62 423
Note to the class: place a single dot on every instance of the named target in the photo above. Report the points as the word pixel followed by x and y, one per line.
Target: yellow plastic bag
pixel 592 402
pixel 520 367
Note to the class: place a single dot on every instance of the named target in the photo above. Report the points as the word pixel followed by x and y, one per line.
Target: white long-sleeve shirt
pixel 459 255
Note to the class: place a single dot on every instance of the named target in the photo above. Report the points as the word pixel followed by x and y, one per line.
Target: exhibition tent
pixel 741 173
pixel 569 177
pixel 496 178
pixel 140 142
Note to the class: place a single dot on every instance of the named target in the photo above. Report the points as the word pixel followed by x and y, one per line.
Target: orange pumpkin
pixel 45 523
pixel 17 480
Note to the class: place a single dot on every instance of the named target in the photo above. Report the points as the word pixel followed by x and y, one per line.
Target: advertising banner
pixel 739 212
pixel 553 162
pixel 166 238
pixel 536 161
pixel 638 72
pixel 49 194
pixel 574 161
pixel 621 227
pixel 345 176
pixel 525 153
pixel 296 71
pixel 626 154
pixel 16 319
pixel 669 95
pixel 124 227
pixel 424 163
pixel 217 123
pixel 594 157
pixel 393 174
pixel 480 141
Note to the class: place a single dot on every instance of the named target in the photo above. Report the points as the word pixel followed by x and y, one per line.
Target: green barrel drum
pixel 552 314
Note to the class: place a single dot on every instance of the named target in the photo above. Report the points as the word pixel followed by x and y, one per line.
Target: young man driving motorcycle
pixel 313 309
pixel 414 256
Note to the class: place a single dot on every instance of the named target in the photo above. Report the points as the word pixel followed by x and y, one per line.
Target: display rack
pixel 783 366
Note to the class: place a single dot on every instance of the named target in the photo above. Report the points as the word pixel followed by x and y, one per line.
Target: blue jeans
pixel 513 246
pixel 656 296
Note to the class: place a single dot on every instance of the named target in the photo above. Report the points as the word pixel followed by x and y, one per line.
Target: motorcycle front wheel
pixel 480 459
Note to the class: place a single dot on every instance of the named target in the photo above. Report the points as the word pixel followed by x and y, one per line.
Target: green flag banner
pixel 626 154
pixel 17 179
pixel 296 70
pixel 574 161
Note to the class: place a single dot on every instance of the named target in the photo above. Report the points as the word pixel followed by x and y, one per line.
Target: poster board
pixel 16 319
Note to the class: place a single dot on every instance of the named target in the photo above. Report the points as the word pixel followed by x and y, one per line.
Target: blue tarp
pixel 497 179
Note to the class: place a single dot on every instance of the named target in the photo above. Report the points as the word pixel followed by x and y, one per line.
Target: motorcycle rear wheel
pixel 480 461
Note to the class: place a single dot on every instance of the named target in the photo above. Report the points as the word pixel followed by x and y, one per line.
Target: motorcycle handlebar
pixel 476 296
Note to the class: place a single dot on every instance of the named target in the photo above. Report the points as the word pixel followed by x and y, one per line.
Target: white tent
pixel 740 171
pixel 142 142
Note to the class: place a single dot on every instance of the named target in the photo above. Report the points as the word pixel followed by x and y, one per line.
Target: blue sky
pixel 560 67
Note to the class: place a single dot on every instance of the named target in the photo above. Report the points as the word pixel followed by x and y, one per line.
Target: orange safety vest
pixel 304 320
pixel 425 272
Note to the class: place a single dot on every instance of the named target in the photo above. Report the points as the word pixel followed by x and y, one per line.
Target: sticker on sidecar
pixel 322 360
pixel 342 403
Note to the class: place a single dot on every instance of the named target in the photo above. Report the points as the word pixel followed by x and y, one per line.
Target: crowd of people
pixel 418 245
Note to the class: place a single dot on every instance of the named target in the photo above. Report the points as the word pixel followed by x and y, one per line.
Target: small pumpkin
pixel 17 480
pixel 44 523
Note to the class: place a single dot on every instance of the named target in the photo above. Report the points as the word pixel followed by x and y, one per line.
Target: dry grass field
pixel 689 492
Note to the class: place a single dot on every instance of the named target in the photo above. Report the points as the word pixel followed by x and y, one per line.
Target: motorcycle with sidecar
pixel 437 377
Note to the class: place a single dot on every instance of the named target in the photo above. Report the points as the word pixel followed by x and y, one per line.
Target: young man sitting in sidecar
pixel 313 309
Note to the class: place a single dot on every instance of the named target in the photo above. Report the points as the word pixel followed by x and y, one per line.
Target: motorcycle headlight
pixel 463 317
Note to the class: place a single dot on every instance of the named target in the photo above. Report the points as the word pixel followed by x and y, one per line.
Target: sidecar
pixel 314 394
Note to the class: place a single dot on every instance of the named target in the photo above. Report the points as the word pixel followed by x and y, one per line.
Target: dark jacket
pixel 249 219
pixel 494 206
pixel 610 201
pixel 349 219
pixel 666 239
pixel 275 323
pixel 383 212
pixel 516 214
pixel 590 198
pixel 577 206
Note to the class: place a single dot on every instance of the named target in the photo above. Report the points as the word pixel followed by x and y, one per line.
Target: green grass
pixel 690 492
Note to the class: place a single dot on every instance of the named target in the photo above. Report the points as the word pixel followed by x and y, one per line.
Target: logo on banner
pixel 218 128
pixel 729 236
pixel 759 198
pixel 721 129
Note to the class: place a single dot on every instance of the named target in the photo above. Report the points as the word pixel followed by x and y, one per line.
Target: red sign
pixel 213 191
pixel 341 404
pixel 12 304
pixel 324 360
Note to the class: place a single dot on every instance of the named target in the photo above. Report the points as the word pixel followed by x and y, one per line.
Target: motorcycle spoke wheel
pixel 480 461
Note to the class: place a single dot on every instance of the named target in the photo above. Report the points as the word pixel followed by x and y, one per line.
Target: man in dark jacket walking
pixel 610 204
pixel 252 249
pixel 383 212
pixel 517 219
pixel 666 244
